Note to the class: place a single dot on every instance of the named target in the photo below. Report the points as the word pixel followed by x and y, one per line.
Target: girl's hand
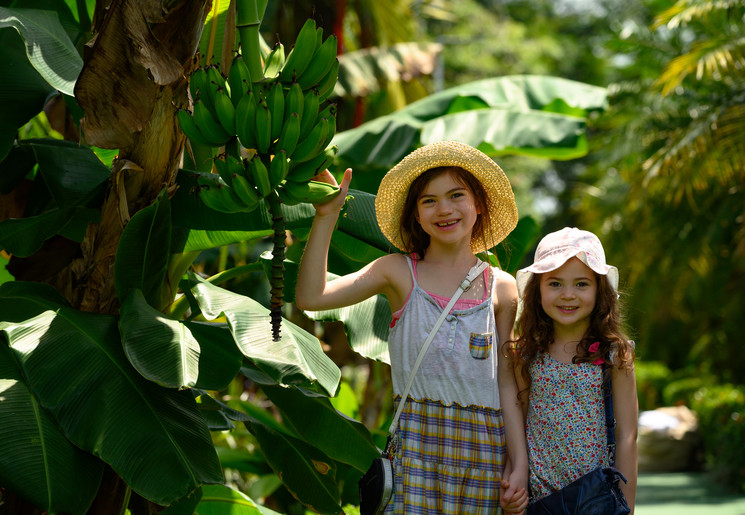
pixel 334 205
pixel 512 499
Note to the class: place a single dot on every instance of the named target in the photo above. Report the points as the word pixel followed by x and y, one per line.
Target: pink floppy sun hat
pixel 558 247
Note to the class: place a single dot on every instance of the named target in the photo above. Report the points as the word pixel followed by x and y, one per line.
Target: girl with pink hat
pixel 570 345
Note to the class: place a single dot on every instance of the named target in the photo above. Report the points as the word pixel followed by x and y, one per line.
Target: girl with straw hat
pixel 441 205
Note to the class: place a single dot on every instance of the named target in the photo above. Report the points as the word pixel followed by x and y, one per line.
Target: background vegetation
pixel 660 177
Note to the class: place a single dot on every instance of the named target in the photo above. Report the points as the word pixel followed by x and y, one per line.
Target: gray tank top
pixel 461 363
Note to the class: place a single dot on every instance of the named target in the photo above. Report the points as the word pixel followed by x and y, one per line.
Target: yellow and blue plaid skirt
pixel 449 459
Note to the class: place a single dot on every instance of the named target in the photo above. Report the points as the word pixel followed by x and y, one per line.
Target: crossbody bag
pixel 376 486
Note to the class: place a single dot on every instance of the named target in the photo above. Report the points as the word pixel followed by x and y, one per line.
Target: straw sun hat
pixel 500 201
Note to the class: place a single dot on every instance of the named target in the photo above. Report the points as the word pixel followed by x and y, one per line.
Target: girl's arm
pixel 626 411
pixel 312 291
pixel 512 413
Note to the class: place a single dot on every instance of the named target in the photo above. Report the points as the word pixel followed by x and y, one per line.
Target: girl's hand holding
pixel 513 500
pixel 333 206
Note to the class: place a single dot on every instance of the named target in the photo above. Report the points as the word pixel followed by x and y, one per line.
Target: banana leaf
pixel 38 462
pixel 73 362
pixel 48 47
pixel 223 500
pixel 296 359
pixel 174 353
pixel 305 471
pixel 317 422
pixel 530 115
pixel 142 254
pixel 24 91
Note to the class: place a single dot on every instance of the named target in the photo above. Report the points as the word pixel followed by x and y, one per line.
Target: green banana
pixel 319 37
pixel 260 176
pixel 274 61
pixel 245 191
pixel 320 64
pixel 263 119
pixel 239 79
pixel 223 170
pixel 220 197
pixel 190 129
pixel 282 194
pixel 326 85
pixel 215 81
pixel 332 128
pixel 225 110
pixel 289 136
pixel 198 83
pixel 314 192
pixel 244 120
pixel 313 144
pixel 301 54
pixel 278 168
pixel 294 101
pixel 305 171
pixel 276 103
pixel 310 112
pixel 207 124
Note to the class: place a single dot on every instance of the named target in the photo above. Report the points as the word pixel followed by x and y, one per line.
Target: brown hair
pixel 535 330
pixel 415 240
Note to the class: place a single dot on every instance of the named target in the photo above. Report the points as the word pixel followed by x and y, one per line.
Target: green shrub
pixel 681 391
pixel 721 415
pixel 651 377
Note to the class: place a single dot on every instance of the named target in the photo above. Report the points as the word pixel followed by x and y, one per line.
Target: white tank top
pixel 461 363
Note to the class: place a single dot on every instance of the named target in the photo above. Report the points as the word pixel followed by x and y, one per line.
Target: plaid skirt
pixel 449 459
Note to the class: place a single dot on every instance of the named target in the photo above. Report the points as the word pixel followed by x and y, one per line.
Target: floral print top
pixel 566 424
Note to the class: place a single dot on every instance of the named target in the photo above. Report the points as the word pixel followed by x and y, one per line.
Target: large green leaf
pixel 223 500
pixel 24 236
pixel 144 248
pixel 48 46
pixel 297 358
pixel 75 179
pixel 174 353
pixel 23 92
pixel 153 437
pixel 305 471
pixel 37 461
pixel 71 172
pixel 321 425
pixel 531 115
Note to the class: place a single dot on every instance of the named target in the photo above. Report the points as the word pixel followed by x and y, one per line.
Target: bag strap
pixel 464 285
pixel 610 420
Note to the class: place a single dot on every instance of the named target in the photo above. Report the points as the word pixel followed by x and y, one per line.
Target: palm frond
pixel 713 58
pixel 685 12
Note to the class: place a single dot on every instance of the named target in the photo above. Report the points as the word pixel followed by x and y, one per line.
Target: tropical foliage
pixel 129 378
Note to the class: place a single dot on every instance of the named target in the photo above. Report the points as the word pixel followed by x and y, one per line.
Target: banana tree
pixel 112 349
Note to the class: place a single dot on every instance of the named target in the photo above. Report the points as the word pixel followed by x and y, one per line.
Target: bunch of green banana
pixel 282 118
pixel 218 195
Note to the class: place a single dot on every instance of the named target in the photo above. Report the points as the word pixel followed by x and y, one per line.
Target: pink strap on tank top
pixel 439 299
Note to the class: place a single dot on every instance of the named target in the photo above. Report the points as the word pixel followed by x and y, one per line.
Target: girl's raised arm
pixel 626 411
pixel 312 291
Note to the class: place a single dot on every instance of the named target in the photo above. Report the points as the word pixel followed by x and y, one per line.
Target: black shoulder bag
pixel 597 492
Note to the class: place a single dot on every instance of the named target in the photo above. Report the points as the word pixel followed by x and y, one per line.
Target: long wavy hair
pixel 413 236
pixel 535 330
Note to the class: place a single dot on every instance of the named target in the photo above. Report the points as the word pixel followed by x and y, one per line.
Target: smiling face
pixel 568 296
pixel 446 210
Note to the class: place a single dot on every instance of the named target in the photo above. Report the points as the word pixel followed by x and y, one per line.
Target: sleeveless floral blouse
pixel 566 424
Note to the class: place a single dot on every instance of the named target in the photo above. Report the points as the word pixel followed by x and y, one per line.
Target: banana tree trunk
pixel 133 78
